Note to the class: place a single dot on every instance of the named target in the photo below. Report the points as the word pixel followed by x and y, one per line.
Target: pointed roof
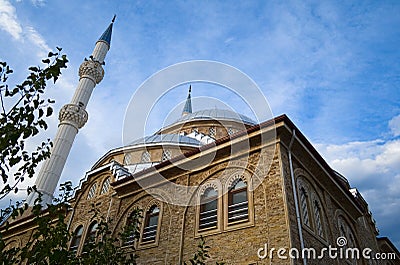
pixel 106 36
pixel 188 105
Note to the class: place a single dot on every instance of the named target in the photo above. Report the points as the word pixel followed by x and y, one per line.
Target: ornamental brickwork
pixel 93 70
pixel 73 114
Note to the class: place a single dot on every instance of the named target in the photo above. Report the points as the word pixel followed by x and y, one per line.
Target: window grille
pixel 76 239
pixel 208 209
pixel 146 157
pixel 128 159
pixel 317 215
pixel 238 205
pixel 304 206
pixel 166 155
pixel 151 224
pixel 91 235
pixel 212 131
pixel 106 185
pixel 92 191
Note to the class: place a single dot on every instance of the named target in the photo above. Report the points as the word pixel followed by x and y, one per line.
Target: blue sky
pixel 333 67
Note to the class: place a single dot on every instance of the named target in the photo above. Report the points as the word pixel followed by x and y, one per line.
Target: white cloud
pixel 35 38
pixel 9 21
pixel 394 125
pixel 372 167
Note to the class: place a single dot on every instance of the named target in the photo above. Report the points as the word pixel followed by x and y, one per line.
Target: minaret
pixel 72 116
pixel 188 105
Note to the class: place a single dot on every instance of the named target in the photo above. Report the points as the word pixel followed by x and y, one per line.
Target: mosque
pixel 248 188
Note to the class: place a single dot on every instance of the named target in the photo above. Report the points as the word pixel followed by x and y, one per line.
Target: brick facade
pixel 272 219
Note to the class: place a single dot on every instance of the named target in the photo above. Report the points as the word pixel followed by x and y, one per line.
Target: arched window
pixel 166 155
pixel 92 191
pixel 345 231
pixel 208 209
pixel 304 206
pixel 132 223
pixel 150 224
pixel 238 208
pixel 317 217
pixel 146 157
pixel 342 230
pixel 106 185
pixel 91 234
pixel 76 239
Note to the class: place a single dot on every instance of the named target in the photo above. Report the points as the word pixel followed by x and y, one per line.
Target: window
pixel 304 206
pixel 212 131
pixel 91 234
pixel 238 209
pixel 131 222
pixel 128 159
pixel 317 216
pixel 92 191
pixel 345 231
pixel 166 155
pixel 146 157
pixel 352 244
pixel 230 131
pixel 342 230
pixel 208 209
pixel 76 239
pixel 106 185
pixel 150 225
pixel 224 205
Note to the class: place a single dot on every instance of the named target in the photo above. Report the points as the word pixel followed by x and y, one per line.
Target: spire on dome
pixel 106 36
pixel 188 105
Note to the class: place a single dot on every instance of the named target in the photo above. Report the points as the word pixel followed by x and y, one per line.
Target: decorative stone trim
pixel 151 204
pixel 73 114
pixel 215 184
pixel 92 70
pixel 235 178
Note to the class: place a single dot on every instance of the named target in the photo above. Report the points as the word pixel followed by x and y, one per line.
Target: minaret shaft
pixel 83 92
pixel 72 116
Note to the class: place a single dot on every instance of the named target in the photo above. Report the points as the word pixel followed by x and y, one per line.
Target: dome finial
pixel 188 105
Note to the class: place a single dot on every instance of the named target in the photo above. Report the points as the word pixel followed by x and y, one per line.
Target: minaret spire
pixel 106 36
pixel 188 105
pixel 72 117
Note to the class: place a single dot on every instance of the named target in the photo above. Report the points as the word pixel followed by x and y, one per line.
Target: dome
pixel 216 114
pixel 167 138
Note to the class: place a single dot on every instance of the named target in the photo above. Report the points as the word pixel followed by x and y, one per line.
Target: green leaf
pixel 33 69
pixel 49 111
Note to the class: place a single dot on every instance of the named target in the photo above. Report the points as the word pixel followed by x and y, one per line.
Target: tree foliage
pixel 51 237
pixel 202 254
pixel 22 116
